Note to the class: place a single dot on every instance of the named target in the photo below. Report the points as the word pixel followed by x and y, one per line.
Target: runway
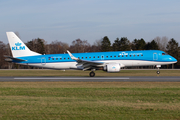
pixel 90 79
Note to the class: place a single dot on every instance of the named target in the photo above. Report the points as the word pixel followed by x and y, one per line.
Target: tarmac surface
pixel 91 79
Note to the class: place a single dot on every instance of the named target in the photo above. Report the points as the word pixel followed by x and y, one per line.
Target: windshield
pixel 164 54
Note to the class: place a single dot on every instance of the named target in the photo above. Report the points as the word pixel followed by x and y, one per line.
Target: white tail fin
pixel 18 48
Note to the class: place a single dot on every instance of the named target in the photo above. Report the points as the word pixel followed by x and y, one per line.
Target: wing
pixel 86 64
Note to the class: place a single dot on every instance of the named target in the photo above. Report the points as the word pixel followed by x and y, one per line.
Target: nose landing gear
pixel 158 66
pixel 158 72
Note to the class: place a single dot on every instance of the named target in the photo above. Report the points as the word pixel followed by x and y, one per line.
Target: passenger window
pixel 126 55
pixel 122 55
pixel 64 58
pixel 52 58
pixel 118 55
pixel 94 57
pixel 82 57
pixel 49 59
pixel 111 56
pixel 56 58
pixel 114 56
pixel 98 56
pixel 60 58
pixel 138 55
pixel 141 54
pixel 134 55
pixel 89 57
pixel 130 55
pixel 107 56
pixel 68 58
pixel 163 53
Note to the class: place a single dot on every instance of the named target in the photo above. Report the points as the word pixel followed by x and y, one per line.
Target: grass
pixel 86 73
pixel 90 100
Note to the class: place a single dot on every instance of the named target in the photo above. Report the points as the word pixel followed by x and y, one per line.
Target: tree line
pixel 39 45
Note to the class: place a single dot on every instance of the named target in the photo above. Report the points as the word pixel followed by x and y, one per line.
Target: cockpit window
pixel 164 54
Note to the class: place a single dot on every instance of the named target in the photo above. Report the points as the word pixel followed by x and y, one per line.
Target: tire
pixel 158 72
pixel 91 74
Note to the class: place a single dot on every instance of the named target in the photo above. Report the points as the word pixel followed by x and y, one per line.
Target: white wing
pixel 86 64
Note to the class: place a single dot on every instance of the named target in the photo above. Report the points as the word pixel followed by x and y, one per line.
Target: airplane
pixel 92 61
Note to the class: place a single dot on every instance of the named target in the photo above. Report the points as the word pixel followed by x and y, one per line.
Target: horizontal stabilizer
pixel 10 59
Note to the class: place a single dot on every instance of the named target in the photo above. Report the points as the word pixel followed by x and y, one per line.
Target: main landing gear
pixel 91 74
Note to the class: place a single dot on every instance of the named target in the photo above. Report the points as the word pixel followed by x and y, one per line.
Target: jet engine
pixel 113 67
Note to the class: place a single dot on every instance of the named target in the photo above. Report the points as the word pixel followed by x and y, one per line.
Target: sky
pixel 68 20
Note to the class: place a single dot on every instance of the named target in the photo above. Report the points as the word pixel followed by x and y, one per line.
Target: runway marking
pixel 71 78
pixel 92 79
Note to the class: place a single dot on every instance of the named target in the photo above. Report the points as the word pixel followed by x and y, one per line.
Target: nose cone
pixel 173 59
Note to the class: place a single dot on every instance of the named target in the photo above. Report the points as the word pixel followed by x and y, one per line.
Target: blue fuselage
pixel 126 58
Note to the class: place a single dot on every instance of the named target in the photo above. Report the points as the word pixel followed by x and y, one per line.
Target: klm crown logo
pixel 113 67
pixel 18 46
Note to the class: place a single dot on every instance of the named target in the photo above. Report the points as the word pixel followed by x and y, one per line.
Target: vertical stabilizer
pixel 18 48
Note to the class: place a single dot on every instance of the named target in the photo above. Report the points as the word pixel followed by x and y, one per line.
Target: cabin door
pixel 155 56
pixel 43 61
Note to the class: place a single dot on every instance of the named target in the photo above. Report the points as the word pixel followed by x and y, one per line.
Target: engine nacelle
pixel 113 67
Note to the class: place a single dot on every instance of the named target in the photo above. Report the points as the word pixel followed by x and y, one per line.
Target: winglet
pixel 72 57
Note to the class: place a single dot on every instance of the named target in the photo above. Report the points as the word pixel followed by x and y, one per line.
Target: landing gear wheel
pixel 92 74
pixel 158 72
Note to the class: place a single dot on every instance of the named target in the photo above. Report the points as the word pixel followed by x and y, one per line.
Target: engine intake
pixel 115 67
